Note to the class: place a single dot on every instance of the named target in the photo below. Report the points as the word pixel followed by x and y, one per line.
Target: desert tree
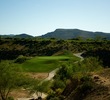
pixel 10 78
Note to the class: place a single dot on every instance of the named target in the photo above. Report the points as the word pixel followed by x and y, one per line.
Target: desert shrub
pixel 65 72
pixel 21 59
pixel 50 96
pixel 89 64
pixel 58 84
pixel 92 64
pixel 86 84
pixel 10 98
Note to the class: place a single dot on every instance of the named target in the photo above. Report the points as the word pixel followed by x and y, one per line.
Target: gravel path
pixel 79 55
pixel 51 74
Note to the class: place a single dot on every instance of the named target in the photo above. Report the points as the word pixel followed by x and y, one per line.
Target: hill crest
pixel 23 35
pixel 74 33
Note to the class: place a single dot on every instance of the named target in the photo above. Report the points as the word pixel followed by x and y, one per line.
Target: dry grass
pixel 20 93
pixel 37 75
pixel 101 90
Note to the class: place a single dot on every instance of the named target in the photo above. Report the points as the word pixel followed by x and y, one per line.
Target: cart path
pixel 79 55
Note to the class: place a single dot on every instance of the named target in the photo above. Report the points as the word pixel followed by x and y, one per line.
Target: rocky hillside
pixel 99 91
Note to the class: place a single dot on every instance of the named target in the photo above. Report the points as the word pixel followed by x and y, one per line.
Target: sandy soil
pixel 38 75
pixel 19 93
pixel 102 89
pixel 22 93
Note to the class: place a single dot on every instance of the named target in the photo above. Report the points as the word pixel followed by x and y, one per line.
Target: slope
pixel 74 33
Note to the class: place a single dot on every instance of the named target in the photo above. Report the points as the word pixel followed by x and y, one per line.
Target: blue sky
pixel 37 17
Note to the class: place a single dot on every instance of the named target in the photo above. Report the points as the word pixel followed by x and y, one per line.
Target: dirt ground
pixel 102 88
pixel 22 93
pixel 38 75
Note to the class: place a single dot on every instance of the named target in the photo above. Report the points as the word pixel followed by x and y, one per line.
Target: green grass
pixel 45 63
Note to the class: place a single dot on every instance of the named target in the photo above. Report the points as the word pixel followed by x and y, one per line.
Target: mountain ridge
pixel 23 35
pixel 74 33
pixel 61 33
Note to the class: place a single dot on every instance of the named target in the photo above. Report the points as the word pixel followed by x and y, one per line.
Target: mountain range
pixel 65 34
pixel 23 35
pixel 74 33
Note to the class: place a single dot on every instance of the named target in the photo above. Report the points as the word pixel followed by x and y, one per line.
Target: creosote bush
pixel 20 59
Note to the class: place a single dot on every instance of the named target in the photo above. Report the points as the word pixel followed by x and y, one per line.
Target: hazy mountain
pixel 23 36
pixel 16 36
pixel 5 36
pixel 74 33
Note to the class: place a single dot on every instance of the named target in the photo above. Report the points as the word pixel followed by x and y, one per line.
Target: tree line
pixel 11 48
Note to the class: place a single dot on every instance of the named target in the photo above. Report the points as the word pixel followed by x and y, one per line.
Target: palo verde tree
pixel 10 78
